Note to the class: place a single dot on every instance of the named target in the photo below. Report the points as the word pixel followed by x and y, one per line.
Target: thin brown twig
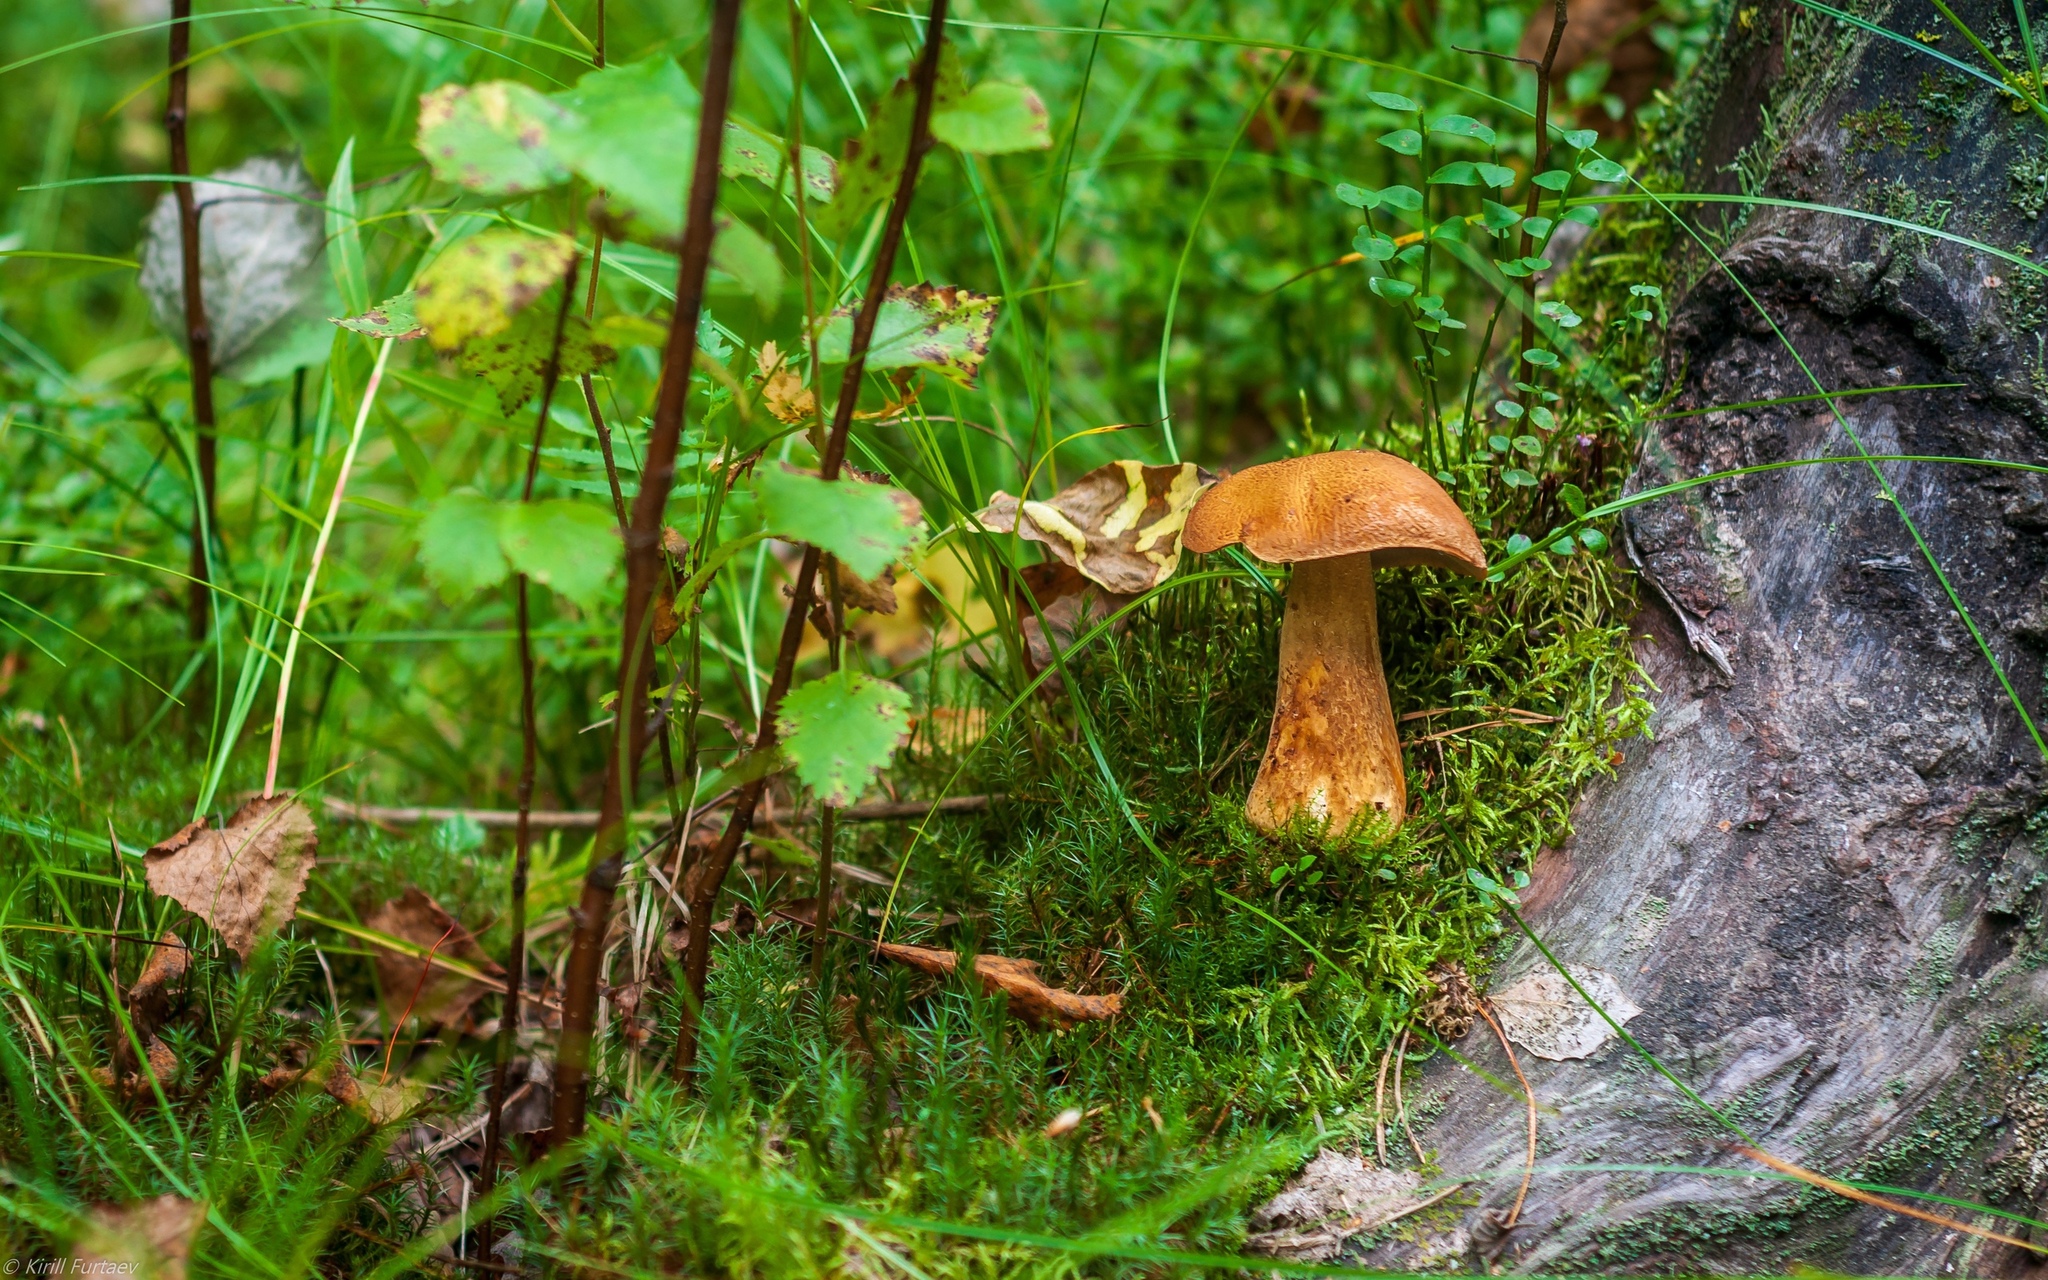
pixel 1379 1106
pixel 1401 1103
pixel 711 876
pixel 643 565
pixel 198 337
pixel 1848 1192
pixel 586 819
pixel 529 754
pixel 1528 1096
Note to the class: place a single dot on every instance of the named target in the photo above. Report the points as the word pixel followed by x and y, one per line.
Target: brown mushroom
pixel 1333 752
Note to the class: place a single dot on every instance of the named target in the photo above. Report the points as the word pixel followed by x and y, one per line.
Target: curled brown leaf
pixel 438 998
pixel 1030 998
pixel 1118 526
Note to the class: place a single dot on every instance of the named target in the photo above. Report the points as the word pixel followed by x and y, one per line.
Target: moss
pixel 1875 128
pixel 2028 177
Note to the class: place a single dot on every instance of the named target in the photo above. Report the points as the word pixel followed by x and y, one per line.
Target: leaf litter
pixel 243 879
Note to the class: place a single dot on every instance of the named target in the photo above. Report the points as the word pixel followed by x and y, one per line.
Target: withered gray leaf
pixel 150 1239
pixel 244 879
pixel 261 237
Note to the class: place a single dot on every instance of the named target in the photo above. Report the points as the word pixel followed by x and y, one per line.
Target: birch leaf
pixel 840 730
pixel 261 239
pixel 493 138
pixel 868 526
pixel 1119 525
pixel 1544 1015
pixel 243 879
pixel 436 996
pixel 395 317
pixel 475 288
pixel 514 361
pixel 943 328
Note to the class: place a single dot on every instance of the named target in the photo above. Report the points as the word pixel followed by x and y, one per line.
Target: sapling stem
pixel 707 879
pixel 198 338
pixel 643 563
pixel 522 839
pixel 1529 211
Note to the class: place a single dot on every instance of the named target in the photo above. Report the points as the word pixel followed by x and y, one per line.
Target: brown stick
pixel 643 563
pixel 1861 1196
pixel 1529 1096
pixel 1535 167
pixel 198 338
pixel 522 840
pixel 708 878
pixel 586 819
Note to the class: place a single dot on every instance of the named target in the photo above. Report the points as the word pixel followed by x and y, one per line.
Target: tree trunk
pixel 1819 881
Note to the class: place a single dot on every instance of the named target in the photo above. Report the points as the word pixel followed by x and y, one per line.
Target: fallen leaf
pixel 1336 1196
pixel 1544 1015
pixel 948 731
pixel 1452 1005
pixel 1064 1123
pixel 150 1239
pixel 149 995
pixel 1066 605
pixel 783 393
pixel 475 288
pixel 261 236
pixel 437 997
pixel 245 879
pixel 1030 998
pixel 1119 525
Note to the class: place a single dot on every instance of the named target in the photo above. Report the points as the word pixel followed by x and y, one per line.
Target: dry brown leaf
pixel 1030 998
pixel 148 998
pixel 1066 605
pixel 380 1101
pixel 1119 525
pixel 440 997
pixel 783 393
pixel 244 879
pixel 149 1239
pixel 1452 1004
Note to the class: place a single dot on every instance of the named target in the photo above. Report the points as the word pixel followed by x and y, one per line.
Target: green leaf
pixel 493 138
pixel 992 119
pixel 1374 246
pixel 1600 169
pixel 746 259
pixel 1463 127
pixel 1540 358
pixel 1358 197
pixel 1277 874
pixel 568 546
pixel 1538 228
pixel 1507 409
pixel 1529 445
pixel 1499 444
pixel 944 328
pixel 1561 312
pixel 1586 214
pixel 1488 885
pixel 459 545
pixel 1516 478
pixel 1543 418
pixel 475 288
pixel 1518 544
pixel 839 730
pixel 1405 142
pixel 1390 288
pixel 514 360
pixel 1407 199
pixel 1580 139
pixel 1514 267
pixel 632 130
pixel 1458 173
pixel 868 526
pixel 1496 175
pixel 345 260
pixel 1645 291
pixel 1553 179
pixel 1593 540
pixel 391 318
pixel 1497 216
pixel 1563 546
pixel 755 153
pixel 1393 101
pixel 1573 498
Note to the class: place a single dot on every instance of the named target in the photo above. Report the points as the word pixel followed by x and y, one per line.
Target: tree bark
pixel 1818 881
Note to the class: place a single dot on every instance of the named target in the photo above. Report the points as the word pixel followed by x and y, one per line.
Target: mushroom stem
pixel 1333 752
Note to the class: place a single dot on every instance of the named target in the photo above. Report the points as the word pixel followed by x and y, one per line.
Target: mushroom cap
pixel 1337 504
